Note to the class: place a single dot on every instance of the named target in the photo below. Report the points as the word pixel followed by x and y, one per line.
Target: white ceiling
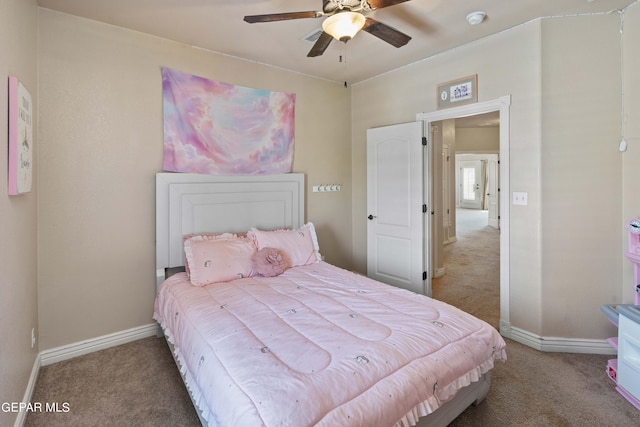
pixel 217 25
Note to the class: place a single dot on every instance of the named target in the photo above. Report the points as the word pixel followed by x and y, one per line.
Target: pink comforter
pixel 319 345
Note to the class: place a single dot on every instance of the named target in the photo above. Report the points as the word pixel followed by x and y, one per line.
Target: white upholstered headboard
pixel 193 203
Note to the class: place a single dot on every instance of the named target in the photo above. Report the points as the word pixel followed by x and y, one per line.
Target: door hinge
pixel 424 140
pixel 424 208
pixel 424 275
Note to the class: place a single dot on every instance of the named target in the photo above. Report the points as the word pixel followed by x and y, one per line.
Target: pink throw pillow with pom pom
pixel 269 262
pixel 300 246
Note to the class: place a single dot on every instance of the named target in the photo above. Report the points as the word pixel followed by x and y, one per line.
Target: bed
pixel 309 343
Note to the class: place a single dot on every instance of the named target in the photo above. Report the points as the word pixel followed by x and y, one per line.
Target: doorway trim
pixel 502 105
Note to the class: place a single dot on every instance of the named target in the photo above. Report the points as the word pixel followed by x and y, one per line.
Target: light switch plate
pixel 520 198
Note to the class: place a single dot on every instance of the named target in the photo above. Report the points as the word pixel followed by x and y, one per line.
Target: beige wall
pixel 101 144
pixel 18 263
pixel 563 75
pixel 581 174
pixel 478 140
pixel 631 159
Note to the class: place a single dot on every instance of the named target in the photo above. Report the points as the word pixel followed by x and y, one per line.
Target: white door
pixel 397 231
pixel 493 191
pixel 471 184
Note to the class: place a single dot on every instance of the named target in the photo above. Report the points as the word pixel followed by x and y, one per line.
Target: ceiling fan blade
pixel 379 4
pixel 321 45
pixel 386 33
pixel 251 19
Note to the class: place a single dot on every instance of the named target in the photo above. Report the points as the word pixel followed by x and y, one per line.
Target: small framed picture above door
pixel 458 92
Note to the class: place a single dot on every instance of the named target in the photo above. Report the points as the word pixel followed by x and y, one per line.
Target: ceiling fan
pixel 344 19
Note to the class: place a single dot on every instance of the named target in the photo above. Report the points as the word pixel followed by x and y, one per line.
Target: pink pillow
pixel 269 262
pixel 209 236
pixel 218 260
pixel 300 246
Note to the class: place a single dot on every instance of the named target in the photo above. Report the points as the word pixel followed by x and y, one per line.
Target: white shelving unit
pixel 628 383
pixel 625 370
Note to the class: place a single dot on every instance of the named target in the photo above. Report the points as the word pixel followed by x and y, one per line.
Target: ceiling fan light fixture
pixel 475 18
pixel 343 25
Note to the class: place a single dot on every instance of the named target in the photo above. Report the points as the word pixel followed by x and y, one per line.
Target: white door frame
pixel 501 105
pixel 493 201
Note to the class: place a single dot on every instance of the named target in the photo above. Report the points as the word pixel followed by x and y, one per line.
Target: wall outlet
pixel 33 337
pixel 326 188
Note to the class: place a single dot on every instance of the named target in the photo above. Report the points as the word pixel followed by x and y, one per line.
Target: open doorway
pixel 502 106
pixel 468 265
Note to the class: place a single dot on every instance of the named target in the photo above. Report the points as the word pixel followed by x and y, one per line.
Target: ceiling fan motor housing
pixel 332 6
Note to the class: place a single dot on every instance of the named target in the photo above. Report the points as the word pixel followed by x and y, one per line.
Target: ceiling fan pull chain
pixel 343 59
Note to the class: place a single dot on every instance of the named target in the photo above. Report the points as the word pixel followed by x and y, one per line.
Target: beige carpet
pixel 138 384
pixel 532 388
pixel 472 268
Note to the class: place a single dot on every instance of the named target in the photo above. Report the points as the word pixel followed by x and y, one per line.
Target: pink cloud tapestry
pixel 221 129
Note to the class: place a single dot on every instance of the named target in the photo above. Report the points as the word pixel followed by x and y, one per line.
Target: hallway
pixel 472 268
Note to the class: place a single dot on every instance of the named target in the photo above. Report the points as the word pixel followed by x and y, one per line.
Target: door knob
pixel 371 217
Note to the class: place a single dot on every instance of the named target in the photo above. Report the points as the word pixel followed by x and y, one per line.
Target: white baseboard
pixel 65 352
pixel 31 385
pixel 505 329
pixel 561 345
pixel 439 272
pixel 452 239
pixel 47 357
